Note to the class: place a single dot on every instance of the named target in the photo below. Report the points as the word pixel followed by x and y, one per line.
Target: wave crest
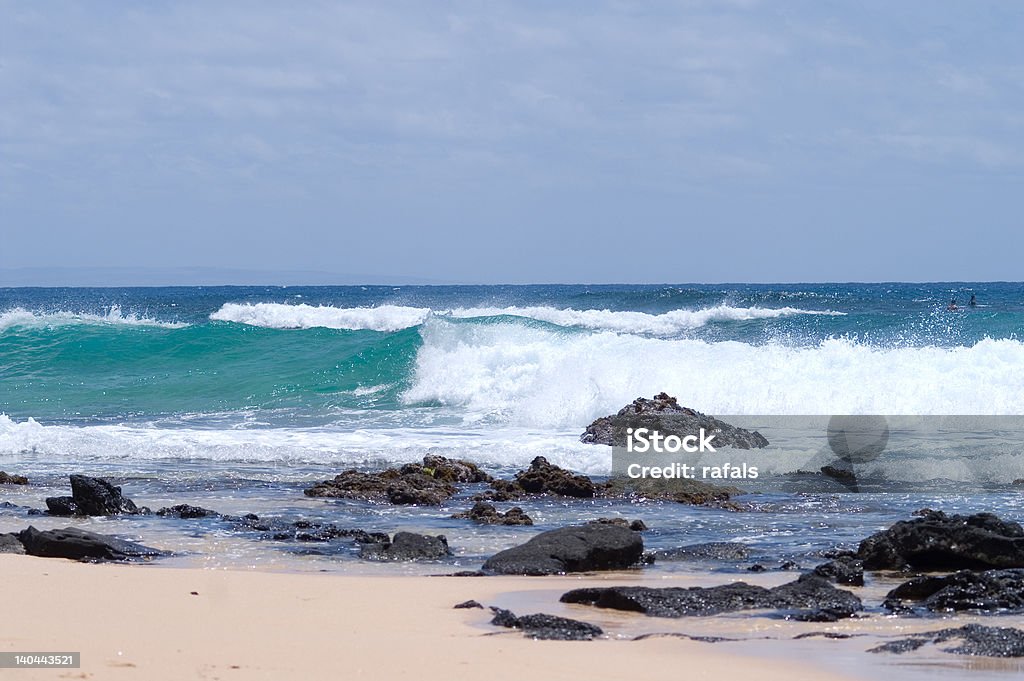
pixel 21 318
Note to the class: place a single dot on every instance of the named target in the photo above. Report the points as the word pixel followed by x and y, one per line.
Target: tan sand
pixel 144 622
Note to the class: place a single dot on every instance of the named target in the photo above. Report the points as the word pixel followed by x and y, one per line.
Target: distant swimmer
pixel 973 302
pixel 952 307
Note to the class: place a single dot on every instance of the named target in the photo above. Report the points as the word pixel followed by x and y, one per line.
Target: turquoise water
pixel 237 398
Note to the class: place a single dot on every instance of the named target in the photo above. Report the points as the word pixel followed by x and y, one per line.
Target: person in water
pixel 973 302
pixel 952 305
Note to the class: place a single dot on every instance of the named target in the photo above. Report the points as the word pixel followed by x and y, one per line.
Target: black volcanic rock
pixel 486 514
pixel 844 570
pixel 91 496
pixel 811 598
pixel 973 639
pixel 579 548
pixel 664 415
pixel 426 484
pixel 989 591
pixel 11 543
pixel 187 512
pixel 937 542
pixel 543 476
pixel 718 550
pixel 546 627
pixel 78 544
pixel 6 479
pixel 407 546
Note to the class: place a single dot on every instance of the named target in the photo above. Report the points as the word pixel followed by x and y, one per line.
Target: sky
pixel 512 142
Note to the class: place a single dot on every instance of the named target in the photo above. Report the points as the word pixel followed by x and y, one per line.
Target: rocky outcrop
pixel 91 496
pixel 546 627
pixel 843 570
pixel 78 544
pixel 664 415
pixel 937 542
pixel 427 484
pixel 972 639
pixel 6 479
pixel 486 514
pixel 407 546
pixel 809 598
pixel 989 591
pixel 580 548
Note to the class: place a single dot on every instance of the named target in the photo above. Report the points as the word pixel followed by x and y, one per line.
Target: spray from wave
pixel 20 318
pixel 525 376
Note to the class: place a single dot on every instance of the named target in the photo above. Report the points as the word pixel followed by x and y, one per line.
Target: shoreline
pixel 254 625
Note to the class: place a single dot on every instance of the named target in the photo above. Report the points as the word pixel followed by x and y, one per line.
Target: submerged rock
pixel 664 415
pixel 91 496
pixel 989 591
pixel 937 542
pixel 973 639
pixel 579 548
pixel 6 479
pixel 407 546
pixel 78 544
pixel 716 550
pixel 811 597
pixel 635 525
pixel 695 492
pixel 187 512
pixel 486 514
pixel 427 484
pixel 546 627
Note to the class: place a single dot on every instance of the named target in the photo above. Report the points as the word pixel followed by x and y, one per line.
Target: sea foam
pixel 22 318
pixel 396 317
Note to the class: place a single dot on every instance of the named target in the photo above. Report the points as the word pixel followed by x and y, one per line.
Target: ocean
pixel 236 398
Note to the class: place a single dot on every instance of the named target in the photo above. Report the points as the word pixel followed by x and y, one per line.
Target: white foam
pixel 22 318
pixel 665 324
pixel 287 446
pixel 397 317
pixel 303 316
pixel 531 377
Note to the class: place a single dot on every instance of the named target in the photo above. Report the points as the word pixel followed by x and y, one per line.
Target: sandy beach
pixel 144 622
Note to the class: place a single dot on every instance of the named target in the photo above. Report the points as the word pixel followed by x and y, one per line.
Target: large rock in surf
pixel 989 591
pixel 407 546
pixel 664 415
pixel 91 496
pixel 426 484
pixel 78 544
pixel 937 542
pixel 6 479
pixel 809 598
pixel 580 548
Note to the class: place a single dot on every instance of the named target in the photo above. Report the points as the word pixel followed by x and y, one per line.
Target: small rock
pixel 408 546
pixel 486 514
pixel 546 627
pixel 843 571
pixel 10 543
pixel 579 548
pixel 6 479
pixel 467 605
